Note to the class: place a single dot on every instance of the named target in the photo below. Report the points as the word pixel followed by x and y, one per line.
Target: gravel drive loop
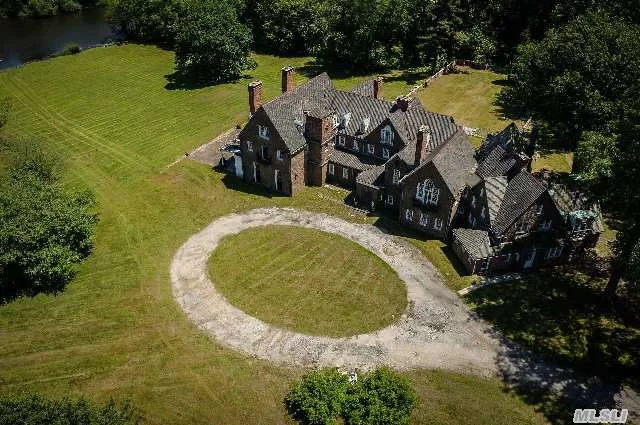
pixel 435 331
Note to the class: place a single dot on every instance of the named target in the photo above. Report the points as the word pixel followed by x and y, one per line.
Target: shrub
pixel 35 409
pixel 381 397
pixel 71 49
pixel 318 398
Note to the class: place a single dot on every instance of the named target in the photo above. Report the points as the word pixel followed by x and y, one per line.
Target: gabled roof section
pixel 522 191
pixel 510 139
pixel 454 160
pixel 313 97
pixel 498 162
pixel 476 243
pixel 495 189
pixel 373 177
pixel 364 89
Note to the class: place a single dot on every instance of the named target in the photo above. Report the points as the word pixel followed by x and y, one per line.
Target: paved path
pixel 435 331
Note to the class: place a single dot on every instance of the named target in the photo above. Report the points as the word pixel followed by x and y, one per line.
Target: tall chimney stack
pixel 402 103
pixel 255 96
pixel 423 143
pixel 288 79
pixel 378 84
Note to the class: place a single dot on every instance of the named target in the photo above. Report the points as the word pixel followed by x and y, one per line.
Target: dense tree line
pixel 39 8
pixel 580 83
pixel 36 409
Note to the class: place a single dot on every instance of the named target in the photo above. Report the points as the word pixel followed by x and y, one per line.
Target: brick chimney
pixel 402 103
pixel 423 144
pixel 255 96
pixel 378 84
pixel 288 79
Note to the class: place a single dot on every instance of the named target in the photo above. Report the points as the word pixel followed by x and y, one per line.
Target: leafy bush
pixel 381 397
pixel 212 44
pixel 318 398
pixel 153 21
pixel 35 409
pixel 46 230
pixel 71 49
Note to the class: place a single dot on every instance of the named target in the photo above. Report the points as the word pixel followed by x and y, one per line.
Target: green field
pixel 307 281
pixel 468 96
pixel 116 330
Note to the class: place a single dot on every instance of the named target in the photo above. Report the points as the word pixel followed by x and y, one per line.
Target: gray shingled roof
pixel 372 177
pixel 522 191
pixel 314 96
pixel 364 89
pixel 351 160
pixel 495 188
pixel 510 138
pixel 498 162
pixel 476 243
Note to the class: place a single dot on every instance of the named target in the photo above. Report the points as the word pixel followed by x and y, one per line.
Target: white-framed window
pixel 264 152
pixel 483 214
pixel 473 201
pixel 331 169
pixel 335 121
pixel 340 139
pixel 396 176
pixel 356 145
pixel 249 146
pixel 345 173
pixel 386 136
pixel 408 214
pixel 539 209
pixel 554 252
pixel 482 192
pixel 427 192
pixel 437 223
pixel 385 153
pixel 389 200
pixel 423 220
pixel 507 258
pixel 263 132
pixel 546 225
pixel 279 155
pixel 371 149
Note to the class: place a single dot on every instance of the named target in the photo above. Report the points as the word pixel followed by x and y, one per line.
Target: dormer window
pixel 386 136
pixel 364 125
pixel 263 132
pixel 335 121
pixel 427 192
pixel 396 176
pixel 340 139
pixel 345 120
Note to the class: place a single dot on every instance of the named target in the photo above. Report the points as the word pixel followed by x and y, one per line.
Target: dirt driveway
pixel 435 331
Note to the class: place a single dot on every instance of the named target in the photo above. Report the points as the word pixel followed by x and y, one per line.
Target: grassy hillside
pixel 116 331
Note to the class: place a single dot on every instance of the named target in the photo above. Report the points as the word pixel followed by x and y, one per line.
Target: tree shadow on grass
pixel 186 81
pixel 585 352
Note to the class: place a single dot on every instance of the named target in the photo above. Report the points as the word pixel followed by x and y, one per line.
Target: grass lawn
pixel 468 96
pixel 307 281
pixel 555 160
pixel 116 330
pixel 566 318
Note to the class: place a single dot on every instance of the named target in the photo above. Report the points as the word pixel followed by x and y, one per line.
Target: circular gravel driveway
pixel 435 331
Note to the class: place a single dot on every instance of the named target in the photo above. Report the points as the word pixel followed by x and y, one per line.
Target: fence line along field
pixel 116 331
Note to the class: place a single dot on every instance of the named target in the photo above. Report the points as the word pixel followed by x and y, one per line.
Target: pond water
pixel 27 39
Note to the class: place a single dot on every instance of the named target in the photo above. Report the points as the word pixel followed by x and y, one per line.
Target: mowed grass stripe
pixel 307 281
